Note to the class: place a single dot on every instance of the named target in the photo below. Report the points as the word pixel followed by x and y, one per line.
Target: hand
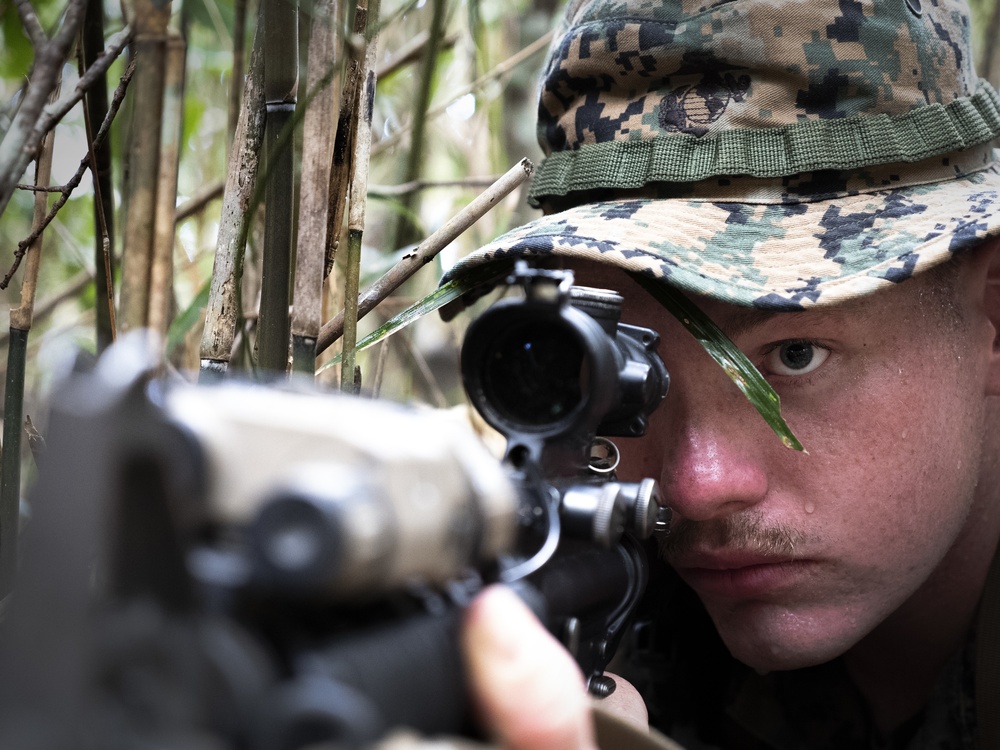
pixel 529 691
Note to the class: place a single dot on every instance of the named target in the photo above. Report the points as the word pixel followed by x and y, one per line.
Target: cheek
pixel 892 453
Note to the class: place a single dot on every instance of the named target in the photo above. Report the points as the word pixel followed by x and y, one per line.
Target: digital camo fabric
pixel 776 153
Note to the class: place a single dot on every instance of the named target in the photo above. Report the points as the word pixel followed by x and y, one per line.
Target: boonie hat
pixel 773 153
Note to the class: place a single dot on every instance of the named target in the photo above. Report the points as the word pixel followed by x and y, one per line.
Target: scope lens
pixel 534 373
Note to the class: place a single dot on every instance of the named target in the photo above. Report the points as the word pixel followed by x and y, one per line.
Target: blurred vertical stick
pixel 359 192
pixel 223 307
pixel 96 109
pixel 161 277
pixel 317 144
pixel 280 85
pixel 239 53
pixel 151 18
pixel 406 230
pixel 17 347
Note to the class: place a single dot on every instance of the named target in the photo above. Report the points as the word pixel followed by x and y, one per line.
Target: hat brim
pixel 779 256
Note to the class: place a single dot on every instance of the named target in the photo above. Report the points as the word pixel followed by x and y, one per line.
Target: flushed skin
pixel 875 544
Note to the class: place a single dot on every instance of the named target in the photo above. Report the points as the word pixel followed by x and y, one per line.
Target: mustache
pixel 745 531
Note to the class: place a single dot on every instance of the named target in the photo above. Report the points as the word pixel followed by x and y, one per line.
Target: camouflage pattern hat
pixel 774 153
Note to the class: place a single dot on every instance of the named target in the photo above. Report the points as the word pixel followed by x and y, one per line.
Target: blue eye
pixel 793 358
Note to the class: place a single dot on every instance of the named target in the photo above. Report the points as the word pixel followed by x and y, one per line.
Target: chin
pixel 792 642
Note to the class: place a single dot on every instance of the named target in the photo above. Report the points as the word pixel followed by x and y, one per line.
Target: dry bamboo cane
pixel 344 140
pixel 20 325
pixel 223 307
pixel 280 90
pixel 317 145
pixel 349 377
pixel 428 249
pixel 151 18
pixel 161 275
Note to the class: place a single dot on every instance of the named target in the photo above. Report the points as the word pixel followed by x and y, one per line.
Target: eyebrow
pixel 740 322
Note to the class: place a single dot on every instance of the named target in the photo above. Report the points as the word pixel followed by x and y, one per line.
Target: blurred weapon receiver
pixel 239 566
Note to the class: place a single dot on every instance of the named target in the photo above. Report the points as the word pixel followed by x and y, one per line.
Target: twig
pixel 198 201
pixel 45 307
pixel 408 53
pixel 70 186
pixel 500 70
pixel 414 185
pixel 426 250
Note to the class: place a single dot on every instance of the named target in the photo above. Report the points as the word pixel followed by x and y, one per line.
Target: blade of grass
pixel 739 369
pixel 437 299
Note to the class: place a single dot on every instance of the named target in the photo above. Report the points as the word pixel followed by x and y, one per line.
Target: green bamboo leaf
pixel 437 299
pixel 720 348
pixel 184 322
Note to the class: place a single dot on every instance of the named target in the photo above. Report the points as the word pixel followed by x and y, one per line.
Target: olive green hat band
pixel 806 146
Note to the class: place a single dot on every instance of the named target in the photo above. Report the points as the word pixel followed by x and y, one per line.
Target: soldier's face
pixel 798 557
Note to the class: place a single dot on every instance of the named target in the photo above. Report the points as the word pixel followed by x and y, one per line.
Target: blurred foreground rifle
pixel 270 568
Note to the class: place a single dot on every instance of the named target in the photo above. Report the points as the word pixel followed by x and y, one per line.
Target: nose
pixel 714 455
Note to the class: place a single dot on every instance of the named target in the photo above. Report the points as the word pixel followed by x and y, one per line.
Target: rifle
pixel 272 567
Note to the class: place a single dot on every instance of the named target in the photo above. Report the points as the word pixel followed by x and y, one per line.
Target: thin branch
pixel 410 52
pixel 415 185
pixel 428 249
pixel 41 188
pixel 198 201
pixel 34 119
pixel 70 186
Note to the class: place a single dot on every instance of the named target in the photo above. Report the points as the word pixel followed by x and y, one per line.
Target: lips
pixel 736 574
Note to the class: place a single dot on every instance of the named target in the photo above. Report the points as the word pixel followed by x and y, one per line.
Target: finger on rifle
pixel 529 692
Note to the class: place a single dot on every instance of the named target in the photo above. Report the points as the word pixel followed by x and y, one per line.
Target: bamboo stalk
pixel 344 140
pixel 428 249
pixel 151 20
pixel 223 307
pixel 20 325
pixel 349 377
pixel 95 111
pixel 161 276
pixel 280 84
pixel 405 230
pixel 317 145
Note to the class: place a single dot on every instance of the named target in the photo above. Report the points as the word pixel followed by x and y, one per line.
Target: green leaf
pixel 739 369
pixel 437 299
pixel 186 320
